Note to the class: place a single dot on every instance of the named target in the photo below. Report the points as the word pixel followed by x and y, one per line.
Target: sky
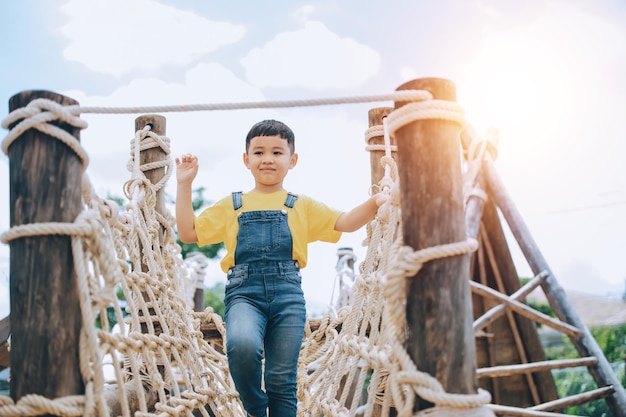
pixel 547 74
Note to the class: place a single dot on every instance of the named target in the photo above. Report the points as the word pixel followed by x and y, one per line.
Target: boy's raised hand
pixel 186 168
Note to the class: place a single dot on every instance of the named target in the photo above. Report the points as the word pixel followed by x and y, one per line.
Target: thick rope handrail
pixel 403 95
pixel 35 106
pixel 40 111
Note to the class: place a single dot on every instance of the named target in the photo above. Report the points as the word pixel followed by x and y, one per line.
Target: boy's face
pixel 269 159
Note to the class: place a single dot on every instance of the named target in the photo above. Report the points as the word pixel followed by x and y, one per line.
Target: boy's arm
pixel 186 170
pixel 360 215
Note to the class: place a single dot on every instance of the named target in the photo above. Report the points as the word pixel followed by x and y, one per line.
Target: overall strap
pixel 291 200
pixel 237 200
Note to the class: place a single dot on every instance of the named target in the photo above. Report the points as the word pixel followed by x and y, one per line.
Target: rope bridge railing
pixel 163 366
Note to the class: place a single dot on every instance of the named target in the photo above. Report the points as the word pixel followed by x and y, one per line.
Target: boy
pixel 266 232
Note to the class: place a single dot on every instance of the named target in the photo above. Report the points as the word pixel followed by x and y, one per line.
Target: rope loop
pixel 47 229
pixel 422 110
pixel 37 115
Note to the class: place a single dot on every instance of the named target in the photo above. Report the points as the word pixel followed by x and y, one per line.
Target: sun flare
pixel 516 83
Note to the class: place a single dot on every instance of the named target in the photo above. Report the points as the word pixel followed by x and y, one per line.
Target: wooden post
pixel 147 156
pixel 45 181
pixel 439 309
pixel 376 116
pixel 156 154
pixel 475 204
pixel 345 294
pixel 198 299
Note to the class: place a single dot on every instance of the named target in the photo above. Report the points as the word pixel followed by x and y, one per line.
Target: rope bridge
pixel 159 362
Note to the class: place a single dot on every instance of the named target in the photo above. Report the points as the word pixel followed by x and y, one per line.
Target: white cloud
pixel 339 178
pixel 119 36
pixel 311 57
pixel 211 135
pixel 304 13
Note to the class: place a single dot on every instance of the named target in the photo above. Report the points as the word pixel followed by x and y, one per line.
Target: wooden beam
pixel 573 400
pixel 504 370
pixel 503 410
pixel 586 345
pixel 500 309
pixel 526 311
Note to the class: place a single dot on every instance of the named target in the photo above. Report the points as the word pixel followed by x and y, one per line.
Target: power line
pixel 585 208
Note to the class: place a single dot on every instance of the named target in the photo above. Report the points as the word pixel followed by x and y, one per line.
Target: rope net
pixel 156 361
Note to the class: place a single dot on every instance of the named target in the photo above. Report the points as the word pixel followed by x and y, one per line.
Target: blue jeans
pixel 265 317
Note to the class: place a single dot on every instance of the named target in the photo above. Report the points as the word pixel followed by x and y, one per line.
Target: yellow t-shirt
pixel 308 220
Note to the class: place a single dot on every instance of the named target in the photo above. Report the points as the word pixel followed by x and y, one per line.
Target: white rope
pixel 407 264
pixel 422 110
pixel 36 115
pixel 38 105
pixel 479 148
pixel 402 95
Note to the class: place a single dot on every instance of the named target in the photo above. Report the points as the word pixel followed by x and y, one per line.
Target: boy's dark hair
pixel 272 128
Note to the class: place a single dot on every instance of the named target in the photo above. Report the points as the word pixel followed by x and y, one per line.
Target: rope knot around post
pixel 39 114
pixel 426 110
pixel 408 263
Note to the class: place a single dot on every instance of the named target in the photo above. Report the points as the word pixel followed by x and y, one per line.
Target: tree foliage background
pixel 572 381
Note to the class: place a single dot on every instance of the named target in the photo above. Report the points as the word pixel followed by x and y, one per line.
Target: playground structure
pixel 437 322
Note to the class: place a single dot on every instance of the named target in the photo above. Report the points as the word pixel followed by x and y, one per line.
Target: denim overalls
pixel 265 312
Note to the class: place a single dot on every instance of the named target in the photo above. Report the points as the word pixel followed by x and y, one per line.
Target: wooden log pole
pixel 475 204
pixel 198 299
pixel 151 155
pixel 585 344
pixel 439 309
pixel 375 118
pixel 146 157
pixel 45 186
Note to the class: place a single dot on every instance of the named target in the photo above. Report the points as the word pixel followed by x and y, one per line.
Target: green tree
pixel 612 342
pixel 541 307
pixel 214 297
pixel 210 251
